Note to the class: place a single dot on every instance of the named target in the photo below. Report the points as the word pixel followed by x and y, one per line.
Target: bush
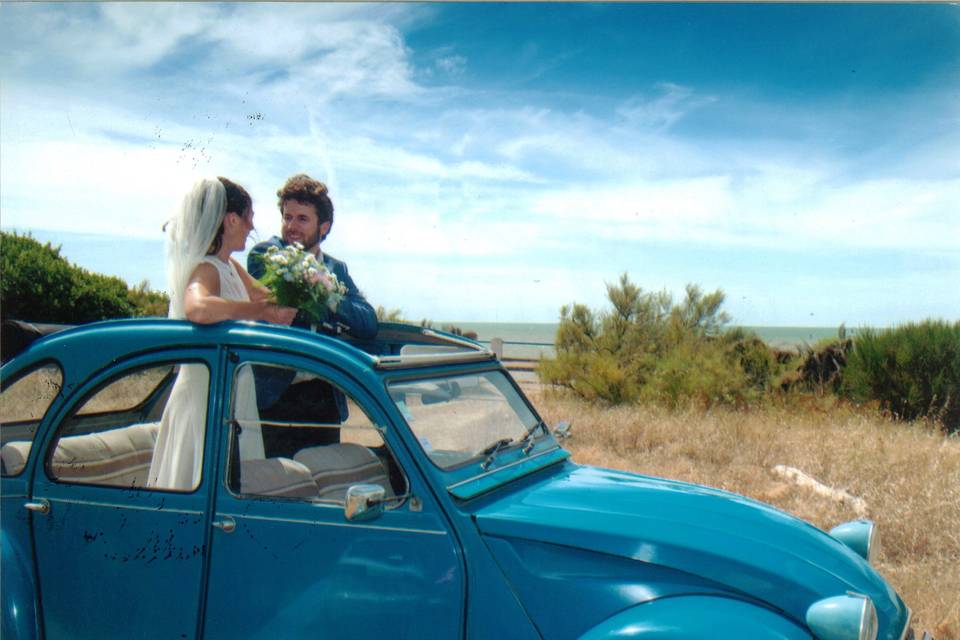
pixel 148 303
pixel 40 285
pixel 646 347
pixel 759 363
pixel 912 370
pixel 701 372
pixel 822 367
pixel 389 315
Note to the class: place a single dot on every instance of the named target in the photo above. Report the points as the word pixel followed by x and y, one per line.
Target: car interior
pixel 311 451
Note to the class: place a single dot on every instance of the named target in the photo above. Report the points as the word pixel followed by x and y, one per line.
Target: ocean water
pixel 535 340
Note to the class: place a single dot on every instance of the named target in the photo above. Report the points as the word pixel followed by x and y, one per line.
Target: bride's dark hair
pixel 238 201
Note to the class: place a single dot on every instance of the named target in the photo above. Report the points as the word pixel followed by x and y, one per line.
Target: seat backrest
pixel 335 467
pixel 281 477
pixel 119 457
pixel 14 456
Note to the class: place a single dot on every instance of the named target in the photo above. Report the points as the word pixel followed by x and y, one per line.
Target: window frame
pixel 12 381
pixel 335 377
pixel 102 378
pixel 450 376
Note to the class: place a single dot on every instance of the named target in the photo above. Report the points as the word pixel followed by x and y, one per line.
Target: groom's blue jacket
pixel 354 312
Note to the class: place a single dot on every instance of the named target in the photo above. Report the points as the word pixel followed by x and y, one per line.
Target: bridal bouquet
pixel 297 279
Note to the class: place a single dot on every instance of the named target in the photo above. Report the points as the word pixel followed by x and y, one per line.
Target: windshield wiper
pixel 528 440
pixel 492 450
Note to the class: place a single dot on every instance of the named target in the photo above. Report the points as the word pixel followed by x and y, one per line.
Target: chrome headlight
pixel 849 617
pixel 859 535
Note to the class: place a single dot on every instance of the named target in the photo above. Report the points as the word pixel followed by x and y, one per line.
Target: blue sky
pixel 492 162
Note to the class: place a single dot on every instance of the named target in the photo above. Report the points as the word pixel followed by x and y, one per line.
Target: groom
pixel 306 214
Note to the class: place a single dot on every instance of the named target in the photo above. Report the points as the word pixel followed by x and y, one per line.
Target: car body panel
pixel 19 617
pixel 752 548
pixel 115 539
pixel 308 572
pixel 697 617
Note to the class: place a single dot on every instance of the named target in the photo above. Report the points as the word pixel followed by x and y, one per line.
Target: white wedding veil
pixel 189 235
pixel 178 454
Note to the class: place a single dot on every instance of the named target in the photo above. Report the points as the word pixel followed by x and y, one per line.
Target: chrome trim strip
pixel 89 503
pixel 453 340
pixel 506 466
pixel 426 359
pixel 305 425
pixel 906 627
pixel 350 525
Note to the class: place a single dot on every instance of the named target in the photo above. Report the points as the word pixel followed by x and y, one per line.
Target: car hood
pixel 726 539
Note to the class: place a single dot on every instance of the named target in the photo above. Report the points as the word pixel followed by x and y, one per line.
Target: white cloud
pixel 661 112
pixel 454 64
pixel 104 39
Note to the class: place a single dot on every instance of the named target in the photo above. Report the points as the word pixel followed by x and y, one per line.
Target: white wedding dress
pixel 178 456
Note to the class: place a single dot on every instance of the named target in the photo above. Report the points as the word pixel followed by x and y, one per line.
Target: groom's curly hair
pixel 306 190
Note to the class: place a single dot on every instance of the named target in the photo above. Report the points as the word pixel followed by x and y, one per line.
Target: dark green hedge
pixel 40 285
pixel 913 371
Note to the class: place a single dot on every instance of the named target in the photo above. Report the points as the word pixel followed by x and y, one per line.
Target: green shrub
pixel 148 303
pixel 700 372
pixel 755 358
pixel 36 283
pixel 646 347
pixel 40 285
pixel 389 315
pixel 822 366
pixel 912 370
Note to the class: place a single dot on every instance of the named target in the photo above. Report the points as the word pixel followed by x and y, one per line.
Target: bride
pixel 206 285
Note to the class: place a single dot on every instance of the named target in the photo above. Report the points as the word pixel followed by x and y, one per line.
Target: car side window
pixel 22 406
pixel 296 435
pixel 111 437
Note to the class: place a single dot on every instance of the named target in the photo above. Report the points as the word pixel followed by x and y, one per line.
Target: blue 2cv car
pixel 402 487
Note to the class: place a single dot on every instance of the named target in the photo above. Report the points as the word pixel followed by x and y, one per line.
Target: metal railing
pixel 497 346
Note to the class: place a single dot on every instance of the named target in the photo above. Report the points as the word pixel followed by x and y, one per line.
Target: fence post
pixel 496 345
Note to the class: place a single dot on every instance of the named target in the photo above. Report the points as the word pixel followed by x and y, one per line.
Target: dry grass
pixel 908 474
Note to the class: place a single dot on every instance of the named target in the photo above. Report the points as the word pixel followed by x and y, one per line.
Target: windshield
pixel 462 417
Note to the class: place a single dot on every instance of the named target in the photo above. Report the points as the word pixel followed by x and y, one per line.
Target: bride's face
pixel 243 225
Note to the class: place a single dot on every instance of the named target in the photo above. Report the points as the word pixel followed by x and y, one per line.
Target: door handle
pixel 41 506
pixel 225 523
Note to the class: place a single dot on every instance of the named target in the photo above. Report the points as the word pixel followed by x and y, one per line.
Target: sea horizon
pixel 536 339
pixel 138 259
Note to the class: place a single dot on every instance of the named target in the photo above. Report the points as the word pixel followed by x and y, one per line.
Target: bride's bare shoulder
pixel 206 274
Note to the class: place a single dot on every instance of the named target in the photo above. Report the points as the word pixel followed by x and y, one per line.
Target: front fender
pixel 18 601
pixel 697 618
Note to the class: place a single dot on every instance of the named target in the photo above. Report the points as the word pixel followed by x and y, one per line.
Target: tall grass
pixel 908 474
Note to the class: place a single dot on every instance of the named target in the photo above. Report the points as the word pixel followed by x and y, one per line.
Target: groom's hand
pixel 280 315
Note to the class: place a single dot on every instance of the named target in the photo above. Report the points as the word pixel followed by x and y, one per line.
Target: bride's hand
pixel 279 315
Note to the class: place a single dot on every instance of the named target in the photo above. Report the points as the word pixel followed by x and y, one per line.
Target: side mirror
pixel 561 431
pixel 364 502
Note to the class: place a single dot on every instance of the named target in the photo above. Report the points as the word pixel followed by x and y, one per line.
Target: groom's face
pixel 300 223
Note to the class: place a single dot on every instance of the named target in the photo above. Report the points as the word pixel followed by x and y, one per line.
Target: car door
pixel 117 558
pixel 285 562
